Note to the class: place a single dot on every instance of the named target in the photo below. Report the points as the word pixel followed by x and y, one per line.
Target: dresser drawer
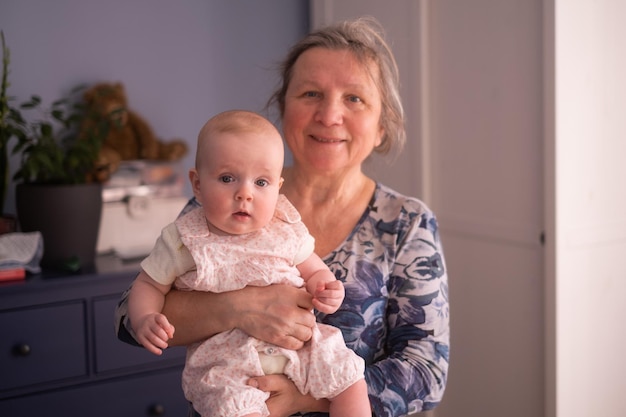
pixel 158 394
pixel 42 344
pixel 113 354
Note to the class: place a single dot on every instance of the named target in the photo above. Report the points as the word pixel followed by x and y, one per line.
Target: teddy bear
pixel 129 136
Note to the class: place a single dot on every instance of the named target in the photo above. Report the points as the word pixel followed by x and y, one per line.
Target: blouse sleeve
pixel 412 375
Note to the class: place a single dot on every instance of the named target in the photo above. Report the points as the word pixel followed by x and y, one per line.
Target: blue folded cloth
pixel 21 250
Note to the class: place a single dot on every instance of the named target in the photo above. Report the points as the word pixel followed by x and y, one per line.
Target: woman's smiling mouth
pixel 326 140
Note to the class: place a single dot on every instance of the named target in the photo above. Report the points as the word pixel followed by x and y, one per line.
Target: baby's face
pixel 239 179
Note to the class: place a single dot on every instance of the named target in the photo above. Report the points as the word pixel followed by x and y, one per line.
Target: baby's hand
pixel 328 296
pixel 153 331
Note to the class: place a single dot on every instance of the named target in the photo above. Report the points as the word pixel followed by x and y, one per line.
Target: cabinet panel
pixel 111 353
pixel 149 395
pixel 42 344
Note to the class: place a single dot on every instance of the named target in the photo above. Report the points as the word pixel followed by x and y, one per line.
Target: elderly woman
pixel 339 102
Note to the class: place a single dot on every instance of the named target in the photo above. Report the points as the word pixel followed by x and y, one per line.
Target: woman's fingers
pixel 278 314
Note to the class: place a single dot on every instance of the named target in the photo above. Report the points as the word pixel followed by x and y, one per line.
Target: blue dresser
pixel 59 354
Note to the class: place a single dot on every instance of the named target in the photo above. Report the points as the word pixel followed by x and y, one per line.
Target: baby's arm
pixel 327 291
pixel 145 303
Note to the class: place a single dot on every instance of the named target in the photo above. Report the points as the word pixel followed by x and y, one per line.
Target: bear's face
pixel 116 112
pixel 109 100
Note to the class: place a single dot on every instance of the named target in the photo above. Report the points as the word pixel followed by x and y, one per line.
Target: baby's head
pixel 237 178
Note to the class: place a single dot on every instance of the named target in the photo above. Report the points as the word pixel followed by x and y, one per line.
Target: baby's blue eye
pixel 262 183
pixel 226 179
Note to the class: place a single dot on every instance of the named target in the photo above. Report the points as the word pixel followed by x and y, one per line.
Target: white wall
pixel 586 209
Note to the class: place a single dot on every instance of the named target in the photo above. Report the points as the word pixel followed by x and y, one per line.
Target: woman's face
pixel 332 111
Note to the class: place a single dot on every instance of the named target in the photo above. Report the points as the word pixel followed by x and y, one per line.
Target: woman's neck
pixel 330 207
pixel 319 190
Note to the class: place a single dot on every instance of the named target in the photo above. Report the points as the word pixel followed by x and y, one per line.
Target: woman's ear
pixel 381 135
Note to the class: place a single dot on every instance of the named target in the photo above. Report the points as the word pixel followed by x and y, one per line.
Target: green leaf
pixel 58 115
pixel 60 102
pixel 56 147
pixel 34 102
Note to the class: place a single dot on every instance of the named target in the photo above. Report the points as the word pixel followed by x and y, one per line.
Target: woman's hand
pixel 278 314
pixel 285 399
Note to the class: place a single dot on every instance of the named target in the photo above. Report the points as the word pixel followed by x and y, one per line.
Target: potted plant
pixel 8 129
pixel 57 187
pixel 57 191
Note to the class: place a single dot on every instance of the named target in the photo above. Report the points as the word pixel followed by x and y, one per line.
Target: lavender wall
pixel 181 62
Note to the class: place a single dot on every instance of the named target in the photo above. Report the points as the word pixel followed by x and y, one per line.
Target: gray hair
pixel 364 38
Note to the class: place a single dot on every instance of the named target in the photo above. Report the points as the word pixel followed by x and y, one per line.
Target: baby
pixel 245 233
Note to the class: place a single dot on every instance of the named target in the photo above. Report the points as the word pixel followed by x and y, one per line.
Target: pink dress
pixel 216 370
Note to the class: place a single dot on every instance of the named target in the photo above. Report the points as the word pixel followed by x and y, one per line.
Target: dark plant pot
pixel 68 217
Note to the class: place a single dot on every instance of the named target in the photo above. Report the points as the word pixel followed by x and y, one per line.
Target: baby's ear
pixel 280 182
pixel 194 179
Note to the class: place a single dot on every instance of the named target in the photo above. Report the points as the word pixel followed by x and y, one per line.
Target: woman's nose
pixel 329 112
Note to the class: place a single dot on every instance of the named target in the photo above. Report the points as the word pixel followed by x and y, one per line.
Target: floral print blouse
pixel 395 314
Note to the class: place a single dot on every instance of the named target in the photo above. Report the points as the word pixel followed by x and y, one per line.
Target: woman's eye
pixel 262 183
pixel 354 99
pixel 311 94
pixel 226 179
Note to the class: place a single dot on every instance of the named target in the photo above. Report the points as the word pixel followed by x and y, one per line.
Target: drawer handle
pixel 21 349
pixel 156 410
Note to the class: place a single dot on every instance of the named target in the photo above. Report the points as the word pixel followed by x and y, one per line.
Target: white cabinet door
pixel 472 85
pixel 485 67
